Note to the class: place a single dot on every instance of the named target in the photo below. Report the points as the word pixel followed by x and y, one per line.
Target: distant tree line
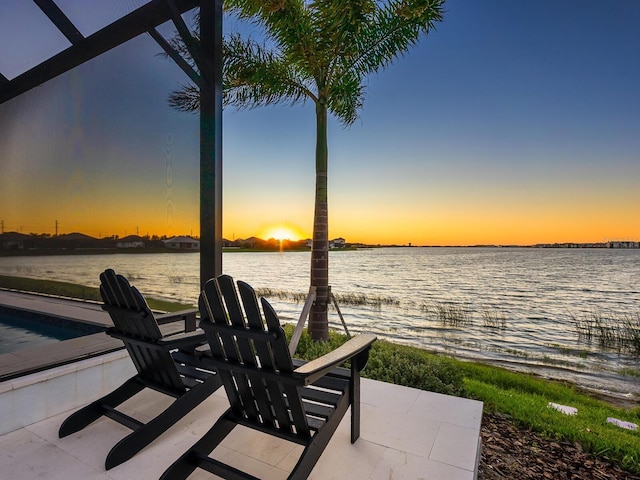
pixel 19 243
pixel 14 241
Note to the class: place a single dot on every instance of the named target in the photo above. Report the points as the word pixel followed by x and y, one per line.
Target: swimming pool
pixel 21 329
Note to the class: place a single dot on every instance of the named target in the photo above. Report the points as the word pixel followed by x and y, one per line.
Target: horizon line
pixel 154 237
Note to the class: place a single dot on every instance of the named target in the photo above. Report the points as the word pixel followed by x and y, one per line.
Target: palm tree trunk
pixel 318 320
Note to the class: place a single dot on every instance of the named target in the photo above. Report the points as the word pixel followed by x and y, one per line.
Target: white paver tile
pixel 456 446
pixel 399 399
pixel 26 456
pixel 445 408
pixel 398 465
pixel 259 446
pixel 401 432
pixel 342 459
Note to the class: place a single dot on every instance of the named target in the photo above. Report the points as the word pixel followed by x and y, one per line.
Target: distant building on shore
pixel 611 244
pixel 131 241
pixel 182 243
pixel 337 243
pixel 623 244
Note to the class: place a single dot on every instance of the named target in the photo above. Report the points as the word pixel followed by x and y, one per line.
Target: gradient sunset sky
pixel 515 122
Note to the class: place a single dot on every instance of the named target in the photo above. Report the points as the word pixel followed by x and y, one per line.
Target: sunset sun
pixel 281 232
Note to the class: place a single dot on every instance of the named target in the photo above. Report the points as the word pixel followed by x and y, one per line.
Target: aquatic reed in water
pixel 632 332
pixel 296 297
pixel 494 318
pixel 608 330
pixel 371 300
pixel 449 314
pixel 352 299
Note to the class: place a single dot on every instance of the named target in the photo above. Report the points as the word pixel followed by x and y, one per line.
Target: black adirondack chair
pixel 266 391
pixel 167 364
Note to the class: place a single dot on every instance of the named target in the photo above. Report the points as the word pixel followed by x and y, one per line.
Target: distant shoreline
pixel 159 250
pixel 18 244
pixel 127 251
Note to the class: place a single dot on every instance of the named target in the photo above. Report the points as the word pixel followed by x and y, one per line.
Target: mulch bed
pixel 510 452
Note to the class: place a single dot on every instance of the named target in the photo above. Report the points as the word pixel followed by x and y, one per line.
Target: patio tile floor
pixel 405 434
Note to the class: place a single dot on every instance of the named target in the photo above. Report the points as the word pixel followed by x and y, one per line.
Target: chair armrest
pixel 179 340
pixel 320 366
pixel 189 339
pixel 187 316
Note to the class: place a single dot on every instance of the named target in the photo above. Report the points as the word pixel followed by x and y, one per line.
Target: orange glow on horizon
pixel 470 228
pixel 453 221
pixel 281 232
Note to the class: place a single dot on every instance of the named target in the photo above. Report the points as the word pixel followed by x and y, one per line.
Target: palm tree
pixel 320 51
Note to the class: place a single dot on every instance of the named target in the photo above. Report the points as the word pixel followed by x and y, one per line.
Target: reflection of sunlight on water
pixel 396 293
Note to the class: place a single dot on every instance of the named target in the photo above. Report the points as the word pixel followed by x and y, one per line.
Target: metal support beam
pixel 191 44
pixel 60 20
pixel 130 26
pixel 175 56
pixel 210 140
pixel 297 331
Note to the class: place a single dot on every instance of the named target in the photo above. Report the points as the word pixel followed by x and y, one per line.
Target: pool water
pixel 21 329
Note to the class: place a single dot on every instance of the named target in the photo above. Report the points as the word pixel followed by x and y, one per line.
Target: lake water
pixel 513 306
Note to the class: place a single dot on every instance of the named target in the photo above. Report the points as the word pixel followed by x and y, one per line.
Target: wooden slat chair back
pixel 165 364
pixel 135 324
pixel 252 351
pixel 266 391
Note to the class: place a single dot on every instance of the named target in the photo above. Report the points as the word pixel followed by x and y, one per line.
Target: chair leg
pixel 89 414
pixel 198 453
pixel 310 455
pixel 144 435
pixel 319 442
pixel 354 400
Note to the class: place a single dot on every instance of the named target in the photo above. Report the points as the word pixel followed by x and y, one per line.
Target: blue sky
pixel 512 122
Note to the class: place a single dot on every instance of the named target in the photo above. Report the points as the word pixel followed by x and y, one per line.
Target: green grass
pixel 523 397
pixel 71 290
pixel 526 397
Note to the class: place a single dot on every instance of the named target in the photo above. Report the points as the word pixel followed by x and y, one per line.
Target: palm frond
pixel 318 49
pixel 289 25
pixel 286 22
pixel 186 99
pixel 254 76
pixel 345 98
pixel 393 30
pixel 337 23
